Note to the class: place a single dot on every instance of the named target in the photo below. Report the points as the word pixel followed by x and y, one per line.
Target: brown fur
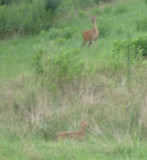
pixel 74 134
pixel 91 34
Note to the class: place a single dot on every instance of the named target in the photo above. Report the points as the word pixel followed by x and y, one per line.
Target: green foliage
pixel 61 68
pixel 54 32
pixel 3 2
pixel 107 10
pixel 67 32
pixel 24 18
pixel 141 24
pixel 137 47
pixel 86 3
pixel 81 3
pixel 74 84
pixel 52 4
pixel 97 1
pixel 10 2
pixel 140 44
pixel 62 33
pixel 121 9
pixel 104 27
pixel 49 128
pixel 81 14
pixel 97 11
pixel 37 63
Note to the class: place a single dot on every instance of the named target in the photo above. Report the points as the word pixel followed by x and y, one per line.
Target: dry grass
pixel 106 102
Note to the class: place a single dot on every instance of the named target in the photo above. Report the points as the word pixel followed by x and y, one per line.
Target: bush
pixel 6 2
pixel 52 4
pixel 3 2
pixel 81 14
pixel 141 44
pixel 136 47
pixel 86 3
pixel 63 33
pixel 97 1
pixel 61 68
pixel 81 3
pixel 24 18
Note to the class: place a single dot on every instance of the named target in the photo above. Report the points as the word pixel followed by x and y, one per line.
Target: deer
pixel 91 34
pixel 74 134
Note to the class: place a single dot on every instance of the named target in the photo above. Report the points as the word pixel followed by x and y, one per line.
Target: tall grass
pixel 49 84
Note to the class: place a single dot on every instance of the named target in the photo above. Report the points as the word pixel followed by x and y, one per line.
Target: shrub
pixel 62 33
pixel 6 2
pixel 137 47
pixel 81 14
pixel 86 3
pixel 141 44
pixel 52 4
pixel 81 3
pixel 3 2
pixel 24 18
pixel 62 67
pixel 97 1
pixel 67 32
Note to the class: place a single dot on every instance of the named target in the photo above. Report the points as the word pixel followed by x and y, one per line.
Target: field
pixel 49 83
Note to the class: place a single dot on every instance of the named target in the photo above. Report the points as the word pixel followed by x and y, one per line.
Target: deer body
pixel 92 34
pixel 74 134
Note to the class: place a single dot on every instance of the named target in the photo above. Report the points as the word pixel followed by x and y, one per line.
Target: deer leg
pixel 90 43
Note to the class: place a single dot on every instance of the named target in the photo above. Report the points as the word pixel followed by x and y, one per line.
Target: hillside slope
pixel 48 84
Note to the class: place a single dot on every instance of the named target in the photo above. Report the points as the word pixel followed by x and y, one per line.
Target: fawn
pixel 74 134
pixel 91 34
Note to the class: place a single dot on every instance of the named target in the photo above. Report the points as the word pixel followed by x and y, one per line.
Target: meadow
pixel 49 83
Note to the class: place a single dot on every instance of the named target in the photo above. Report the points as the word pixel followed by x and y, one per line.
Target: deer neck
pixel 94 27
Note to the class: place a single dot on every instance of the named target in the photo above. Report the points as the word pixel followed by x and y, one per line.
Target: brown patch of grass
pixel 105 102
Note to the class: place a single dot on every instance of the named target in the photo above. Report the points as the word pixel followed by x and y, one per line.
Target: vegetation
pixel 48 83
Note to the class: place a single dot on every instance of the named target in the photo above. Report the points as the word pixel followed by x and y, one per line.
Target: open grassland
pixel 48 83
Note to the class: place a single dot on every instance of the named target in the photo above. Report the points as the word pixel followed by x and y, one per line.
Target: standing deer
pixel 74 134
pixel 91 34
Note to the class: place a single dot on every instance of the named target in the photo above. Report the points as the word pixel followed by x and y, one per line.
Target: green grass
pixel 110 96
pixel 20 51
pixel 94 148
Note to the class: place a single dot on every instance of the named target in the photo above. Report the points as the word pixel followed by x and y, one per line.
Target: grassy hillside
pixel 48 83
